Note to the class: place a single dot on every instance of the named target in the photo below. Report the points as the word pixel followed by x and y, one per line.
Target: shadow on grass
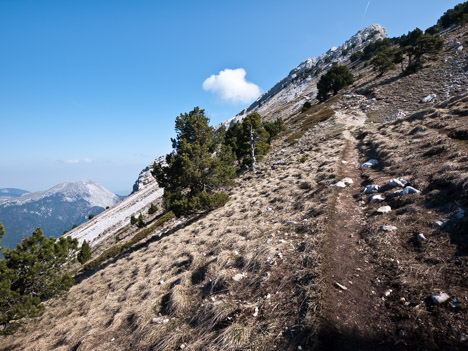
pixel 86 273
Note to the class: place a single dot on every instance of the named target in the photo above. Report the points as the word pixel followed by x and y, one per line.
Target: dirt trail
pixel 352 318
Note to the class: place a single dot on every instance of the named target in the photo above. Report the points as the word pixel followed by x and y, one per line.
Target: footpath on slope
pixel 352 314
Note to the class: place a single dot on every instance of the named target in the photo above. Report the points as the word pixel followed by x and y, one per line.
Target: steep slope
pixel 54 210
pixel 116 218
pixel 301 258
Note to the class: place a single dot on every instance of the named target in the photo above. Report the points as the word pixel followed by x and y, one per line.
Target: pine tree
pixel 196 169
pixel 249 140
pixel 85 252
pixel 334 80
pixel 31 273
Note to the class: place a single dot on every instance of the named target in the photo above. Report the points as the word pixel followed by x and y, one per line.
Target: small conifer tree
pixel 85 252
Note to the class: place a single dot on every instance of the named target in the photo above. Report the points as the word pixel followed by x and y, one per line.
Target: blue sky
pixel 91 88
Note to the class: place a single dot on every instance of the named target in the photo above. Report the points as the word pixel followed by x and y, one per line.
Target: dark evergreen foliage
pixel 85 252
pixel 31 273
pixel 238 138
pixel 275 128
pixel 333 81
pixel 197 168
pixel 457 15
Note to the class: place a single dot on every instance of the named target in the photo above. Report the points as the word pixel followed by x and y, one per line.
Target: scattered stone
pixel 406 190
pixel 371 188
pixel 440 223
pixel 305 220
pixel 388 228
pixel 441 298
pixel 384 209
pixel 291 223
pixel 255 314
pixel 239 276
pixel 182 347
pixel 341 287
pixel 396 115
pixel 269 260
pixel 279 255
pixel 160 320
pixel 269 208
pixel 376 198
pixel 455 303
pixel 463 337
pixel 368 164
pixel 459 49
pixel 388 292
pixel 161 282
pixel 343 183
pixel 421 237
pixel 429 98
pixel 397 182
pixel 409 190
pixel 344 162
pixel 282 151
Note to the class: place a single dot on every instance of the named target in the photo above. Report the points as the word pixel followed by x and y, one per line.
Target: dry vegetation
pixel 258 273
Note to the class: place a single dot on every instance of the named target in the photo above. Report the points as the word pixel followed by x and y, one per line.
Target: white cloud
pixel 75 161
pixel 230 85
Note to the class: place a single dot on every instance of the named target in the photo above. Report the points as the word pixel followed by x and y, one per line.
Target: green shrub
pixel 91 216
pixel 457 15
pixel 153 209
pixel 355 56
pixel 133 220
pixel 306 106
pixel 304 158
pixel 334 80
pixel 85 252
pixel 35 271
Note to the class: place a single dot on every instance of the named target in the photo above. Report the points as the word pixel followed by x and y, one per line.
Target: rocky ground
pixel 351 235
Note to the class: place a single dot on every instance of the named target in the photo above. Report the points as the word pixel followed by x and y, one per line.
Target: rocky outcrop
pixel 300 85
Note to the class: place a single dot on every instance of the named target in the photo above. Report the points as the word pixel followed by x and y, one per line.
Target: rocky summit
pixel 350 234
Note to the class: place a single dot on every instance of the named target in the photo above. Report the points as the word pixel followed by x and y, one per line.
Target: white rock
pixel 388 228
pixel 441 298
pixel 409 190
pixel 341 287
pixel 376 198
pixel 421 237
pixel 384 209
pixel 370 163
pixel 239 276
pixel 255 314
pixel 344 162
pixel 269 208
pixel 343 183
pixel 396 115
pixel 388 292
pixel 371 188
pixel 429 98
pixel 291 223
pixel 459 49
pixel 347 181
pixel 160 320
pixel 440 223
pixel 161 282
pixel 397 182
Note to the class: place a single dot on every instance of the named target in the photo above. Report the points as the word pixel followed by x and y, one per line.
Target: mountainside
pixel 352 234
pixel 54 210
pixel 12 192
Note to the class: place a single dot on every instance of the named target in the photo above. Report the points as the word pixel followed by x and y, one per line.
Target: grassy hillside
pixel 292 262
